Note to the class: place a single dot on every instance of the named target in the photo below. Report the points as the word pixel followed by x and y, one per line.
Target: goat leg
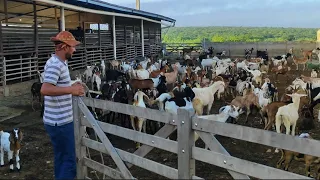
pixel 17 160
pixel 247 114
pixel 10 156
pixel 307 168
pixel 1 156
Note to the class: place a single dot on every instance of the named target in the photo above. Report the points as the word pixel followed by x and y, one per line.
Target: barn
pixel 106 32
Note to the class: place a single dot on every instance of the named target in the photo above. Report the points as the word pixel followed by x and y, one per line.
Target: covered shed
pixel 106 32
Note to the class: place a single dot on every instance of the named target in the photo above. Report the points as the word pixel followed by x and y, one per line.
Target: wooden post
pixel 114 37
pixel 79 133
pixel 142 38
pixel 186 165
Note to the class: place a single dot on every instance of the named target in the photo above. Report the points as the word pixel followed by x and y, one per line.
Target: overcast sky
pixel 275 13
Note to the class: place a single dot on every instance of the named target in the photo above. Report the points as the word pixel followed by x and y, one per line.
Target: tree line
pixel 237 34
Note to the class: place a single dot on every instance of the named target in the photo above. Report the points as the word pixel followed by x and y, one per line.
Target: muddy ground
pixel 37 154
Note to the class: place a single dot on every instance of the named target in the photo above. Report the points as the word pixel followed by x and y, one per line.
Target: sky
pixel 254 13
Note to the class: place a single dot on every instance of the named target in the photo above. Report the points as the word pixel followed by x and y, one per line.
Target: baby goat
pixel 11 143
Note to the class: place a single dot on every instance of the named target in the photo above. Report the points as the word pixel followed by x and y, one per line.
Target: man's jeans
pixel 62 139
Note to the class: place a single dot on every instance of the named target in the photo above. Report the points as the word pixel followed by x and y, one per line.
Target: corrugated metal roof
pixel 101 5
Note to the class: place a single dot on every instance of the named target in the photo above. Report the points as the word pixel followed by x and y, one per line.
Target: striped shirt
pixel 57 109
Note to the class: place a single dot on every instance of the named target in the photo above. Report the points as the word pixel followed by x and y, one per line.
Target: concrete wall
pixel 235 49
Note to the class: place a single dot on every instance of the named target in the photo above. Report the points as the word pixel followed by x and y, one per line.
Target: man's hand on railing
pixel 77 89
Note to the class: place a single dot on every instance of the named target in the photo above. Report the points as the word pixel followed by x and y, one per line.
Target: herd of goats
pixel 195 83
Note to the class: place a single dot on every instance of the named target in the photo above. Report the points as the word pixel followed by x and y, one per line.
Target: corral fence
pixel 237 49
pixel 186 123
pixel 25 50
pixel 180 49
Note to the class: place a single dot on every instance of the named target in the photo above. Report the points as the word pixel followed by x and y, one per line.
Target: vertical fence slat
pixel 78 134
pixel 186 165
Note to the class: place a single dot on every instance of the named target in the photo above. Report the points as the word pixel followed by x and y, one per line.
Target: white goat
pixel 314 74
pixel 288 114
pixel 205 96
pixel 103 66
pixel 125 67
pixel 142 73
pixel 208 63
pixel 11 143
pixel 96 78
pixel 161 99
pixel 257 75
pixel 145 63
pixel 88 73
pixel 138 101
pixel 224 113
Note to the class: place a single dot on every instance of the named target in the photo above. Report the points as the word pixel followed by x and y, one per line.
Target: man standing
pixel 58 115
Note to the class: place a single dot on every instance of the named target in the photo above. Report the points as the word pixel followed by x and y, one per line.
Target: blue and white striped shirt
pixel 57 109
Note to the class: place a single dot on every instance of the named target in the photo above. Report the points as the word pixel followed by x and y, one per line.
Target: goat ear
pixel 135 97
pixel 145 96
pixel 20 135
pixel 11 137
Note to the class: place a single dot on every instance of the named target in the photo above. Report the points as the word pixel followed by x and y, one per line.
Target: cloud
pixel 279 13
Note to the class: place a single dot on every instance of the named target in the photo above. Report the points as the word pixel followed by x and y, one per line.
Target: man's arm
pixel 49 88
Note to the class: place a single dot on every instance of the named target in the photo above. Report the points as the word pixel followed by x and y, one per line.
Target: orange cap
pixel 66 37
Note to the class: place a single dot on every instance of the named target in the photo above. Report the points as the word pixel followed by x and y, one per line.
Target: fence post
pixel 186 164
pixel 79 132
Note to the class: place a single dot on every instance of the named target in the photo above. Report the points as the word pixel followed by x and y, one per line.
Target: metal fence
pixel 186 124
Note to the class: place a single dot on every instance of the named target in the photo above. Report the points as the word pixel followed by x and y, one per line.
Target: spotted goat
pixel 11 143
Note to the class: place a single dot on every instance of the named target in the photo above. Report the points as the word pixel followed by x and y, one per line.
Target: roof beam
pixel 27 14
pixel 16 15
pixel 77 8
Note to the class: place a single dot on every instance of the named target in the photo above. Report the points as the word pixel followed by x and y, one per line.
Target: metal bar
pixel 142 38
pixel 114 37
pixel 138 4
pixel 62 20
pixel 215 146
pixel 36 36
pixel 186 164
pixel 5 8
pixel 105 141
pixel 2 56
pixel 4 71
pixel 78 134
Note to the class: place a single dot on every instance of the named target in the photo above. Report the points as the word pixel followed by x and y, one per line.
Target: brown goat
pixel 286 158
pixel 156 73
pixel 246 101
pixel 281 70
pixel 141 84
pixel 269 113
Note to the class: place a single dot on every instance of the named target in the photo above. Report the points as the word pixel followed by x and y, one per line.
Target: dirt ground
pixel 37 155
